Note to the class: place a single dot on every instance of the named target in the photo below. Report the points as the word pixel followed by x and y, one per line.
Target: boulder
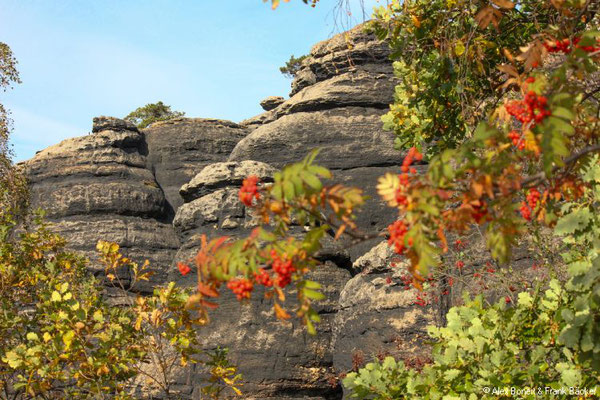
pixel 271 102
pixel 348 51
pixel 179 148
pixel 104 123
pixel 98 187
pixel 378 316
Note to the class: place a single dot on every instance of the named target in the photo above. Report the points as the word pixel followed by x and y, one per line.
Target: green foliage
pixel 57 336
pixel 292 66
pixel 13 189
pixel 499 347
pixel 580 226
pixel 447 55
pixel 150 113
pixel 548 339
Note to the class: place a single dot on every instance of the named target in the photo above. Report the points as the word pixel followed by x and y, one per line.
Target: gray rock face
pixel 377 318
pixel 104 123
pixel 271 102
pixel 348 51
pixel 340 133
pixel 97 187
pixel 223 174
pixel 179 148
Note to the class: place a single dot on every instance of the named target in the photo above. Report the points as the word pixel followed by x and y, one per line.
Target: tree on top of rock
pixel 150 113
pixel 292 66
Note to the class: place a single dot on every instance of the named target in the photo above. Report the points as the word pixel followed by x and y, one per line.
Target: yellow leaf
pixel 387 187
pixel 55 296
pixel 415 20
pixel 280 313
pixel 340 231
pixel 47 337
pixel 459 48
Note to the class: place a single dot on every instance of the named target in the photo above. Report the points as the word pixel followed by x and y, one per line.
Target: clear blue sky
pixel 210 58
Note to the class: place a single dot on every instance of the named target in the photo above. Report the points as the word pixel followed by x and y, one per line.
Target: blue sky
pixel 209 58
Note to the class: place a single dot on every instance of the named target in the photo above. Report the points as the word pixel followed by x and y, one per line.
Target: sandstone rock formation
pixel 179 148
pixel 98 187
pixel 271 102
pixel 157 190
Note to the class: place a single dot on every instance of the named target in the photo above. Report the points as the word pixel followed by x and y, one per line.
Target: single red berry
pixel 184 269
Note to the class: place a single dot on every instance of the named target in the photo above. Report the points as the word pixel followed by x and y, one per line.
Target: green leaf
pixel 311 294
pixel 97 316
pixel 312 285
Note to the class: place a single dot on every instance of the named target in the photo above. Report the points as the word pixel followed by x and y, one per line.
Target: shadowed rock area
pixel 155 192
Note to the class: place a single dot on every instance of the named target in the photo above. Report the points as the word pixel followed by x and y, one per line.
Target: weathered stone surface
pixel 97 187
pixel 218 175
pixel 348 51
pixel 271 102
pixel 342 134
pixel 375 317
pixel 179 148
pixel 357 88
pixel 104 123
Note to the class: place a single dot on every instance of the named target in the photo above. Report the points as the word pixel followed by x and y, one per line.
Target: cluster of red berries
pixel 249 190
pixel 404 178
pixel 533 197
pixel 460 264
pixel 516 139
pixel 559 46
pixel 407 281
pixel 564 46
pixel 263 278
pixel 397 231
pixel 532 108
pixel 421 300
pixel 459 244
pixel 283 268
pixel 184 269
pixel 479 212
pixel 412 155
pixel 240 287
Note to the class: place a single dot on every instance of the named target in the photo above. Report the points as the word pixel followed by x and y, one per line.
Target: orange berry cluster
pixel 413 155
pixel 241 288
pixel 249 190
pixel 397 231
pixel 516 139
pixel 533 198
pixel 532 108
pixel 283 268
pixel 263 278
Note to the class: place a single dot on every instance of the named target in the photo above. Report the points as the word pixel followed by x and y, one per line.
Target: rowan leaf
pixel 504 3
pixel 488 15
pixel 533 54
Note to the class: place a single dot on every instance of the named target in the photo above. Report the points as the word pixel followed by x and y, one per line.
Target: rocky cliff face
pixel 154 192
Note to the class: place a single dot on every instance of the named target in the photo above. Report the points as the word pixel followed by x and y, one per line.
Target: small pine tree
pixel 292 66
pixel 150 113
